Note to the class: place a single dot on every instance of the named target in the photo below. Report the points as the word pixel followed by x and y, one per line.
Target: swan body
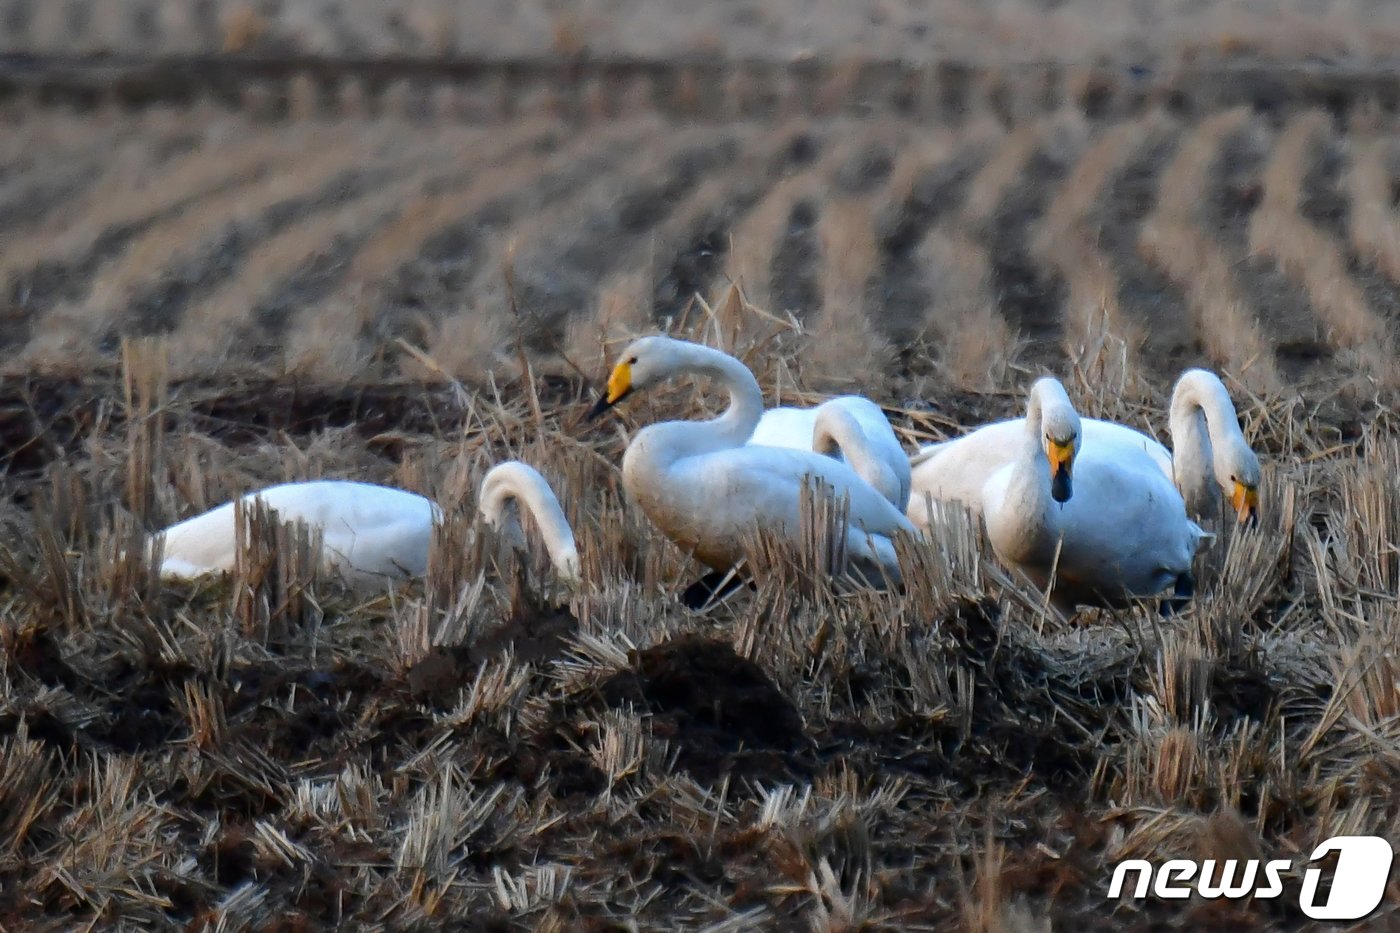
pixel 705 489
pixel 370 534
pixel 1211 455
pixel 1120 528
pixel 850 428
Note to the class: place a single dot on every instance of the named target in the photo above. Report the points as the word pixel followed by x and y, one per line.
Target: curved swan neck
pixel 668 441
pixel 1043 394
pixel 836 431
pixel 1032 474
pixel 510 484
pixel 738 421
pixel 1200 393
pixel 1022 526
pixel 1202 418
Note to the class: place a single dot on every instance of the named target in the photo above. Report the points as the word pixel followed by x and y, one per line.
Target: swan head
pixel 1059 434
pixel 1237 471
pixel 645 362
pixel 568 568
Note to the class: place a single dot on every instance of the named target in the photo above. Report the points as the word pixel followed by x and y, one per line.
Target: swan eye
pixel 632 361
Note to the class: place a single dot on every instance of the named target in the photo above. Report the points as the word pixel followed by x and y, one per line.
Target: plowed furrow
pixel 1373 223
pixel 927 186
pixel 434 215
pixel 56 165
pixel 409 276
pixel 34 193
pixel 1099 334
pixel 1151 301
pixel 158 305
pixel 693 245
pixel 155 266
pixel 768 246
pixel 1309 256
pixel 246 314
pixel 1005 200
pixel 966 333
pixel 1328 205
pixel 1174 241
pixel 825 258
pixel 680 255
pixel 560 257
pixel 1227 207
pixel 946 276
pixel 557 255
pixel 321 251
pixel 126 202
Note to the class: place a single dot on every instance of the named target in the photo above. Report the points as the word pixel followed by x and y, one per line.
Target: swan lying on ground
pixel 849 427
pixel 372 534
pixel 700 484
pixel 1097 518
pixel 1211 454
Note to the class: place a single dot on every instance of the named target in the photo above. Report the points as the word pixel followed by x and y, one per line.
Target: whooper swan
pixel 849 427
pixel 372 534
pixel 1098 517
pixel 1211 454
pixel 704 489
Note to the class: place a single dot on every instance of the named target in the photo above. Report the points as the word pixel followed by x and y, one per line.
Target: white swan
pixel 700 484
pixel 370 533
pixel 1098 518
pixel 1211 454
pixel 849 427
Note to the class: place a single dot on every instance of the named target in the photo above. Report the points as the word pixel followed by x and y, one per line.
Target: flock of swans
pixel 1092 512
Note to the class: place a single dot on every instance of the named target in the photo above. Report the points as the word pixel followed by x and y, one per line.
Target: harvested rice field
pixel 247 245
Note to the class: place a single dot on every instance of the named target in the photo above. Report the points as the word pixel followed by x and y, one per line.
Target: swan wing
pixel 956 470
pixel 1110 435
pixel 708 503
pixel 1125 531
pixel 785 427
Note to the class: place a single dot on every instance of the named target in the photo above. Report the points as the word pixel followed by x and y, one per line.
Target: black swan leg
pixel 712 589
pixel 1181 595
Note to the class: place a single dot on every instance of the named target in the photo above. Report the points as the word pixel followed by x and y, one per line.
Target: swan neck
pixel 836 431
pixel 508 485
pixel 1035 424
pixel 1204 396
pixel 731 428
pixel 745 397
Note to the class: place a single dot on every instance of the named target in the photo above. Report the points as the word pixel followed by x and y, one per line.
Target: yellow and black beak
pixel 1245 501
pixel 619 385
pixel 1061 455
